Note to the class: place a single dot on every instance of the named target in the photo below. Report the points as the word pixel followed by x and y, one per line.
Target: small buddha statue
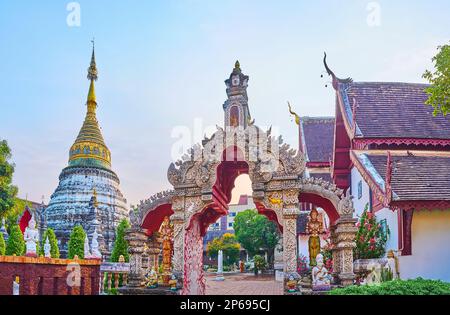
pixel 87 253
pixel 152 279
pixel 47 248
pixel 173 283
pixel 292 284
pixel 320 275
pixel 31 237
pixel 95 252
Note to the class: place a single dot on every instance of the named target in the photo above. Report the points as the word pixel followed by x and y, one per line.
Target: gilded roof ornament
pixel 297 117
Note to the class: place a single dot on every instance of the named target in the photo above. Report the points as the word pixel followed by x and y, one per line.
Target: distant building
pixel 225 223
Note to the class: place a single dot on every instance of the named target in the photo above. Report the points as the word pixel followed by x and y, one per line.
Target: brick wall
pixel 48 276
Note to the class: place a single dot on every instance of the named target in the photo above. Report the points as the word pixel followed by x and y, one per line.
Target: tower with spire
pixel 236 109
pixel 88 190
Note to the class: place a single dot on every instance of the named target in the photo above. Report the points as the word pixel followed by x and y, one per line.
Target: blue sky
pixel 162 64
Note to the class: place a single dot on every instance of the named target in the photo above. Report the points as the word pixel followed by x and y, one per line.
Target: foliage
pixel 255 232
pixel 8 191
pixel 12 216
pixel 302 264
pixel 370 238
pixel 2 245
pixel 120 244
pixel 16 243
pixel 54 250
pixel 76 243
pixel 417 286
pixel 260 263
pixel 327 252
pixel 439 91
pixel 228 244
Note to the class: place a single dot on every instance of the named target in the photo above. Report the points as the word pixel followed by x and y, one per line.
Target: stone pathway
pixel 243 284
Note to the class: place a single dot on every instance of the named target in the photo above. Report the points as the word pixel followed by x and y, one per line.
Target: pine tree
pixel 120 244
pixel 2 245
pixel 16 244
pixel 76 243
pixel 54 250
pixel 370 238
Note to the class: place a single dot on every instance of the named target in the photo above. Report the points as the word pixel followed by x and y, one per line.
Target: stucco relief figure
pixel 320 275
pixel 234 116
pixel 314 228
pixel 31 237
pixel 167 248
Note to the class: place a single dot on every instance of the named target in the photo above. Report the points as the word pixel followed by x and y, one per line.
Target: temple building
pixel 393 156
pixel 88 192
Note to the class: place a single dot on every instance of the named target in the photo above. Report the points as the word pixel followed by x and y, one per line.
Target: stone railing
pixel 22 275
pixel 110 273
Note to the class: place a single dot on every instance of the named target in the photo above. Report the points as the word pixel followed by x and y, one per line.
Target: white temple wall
pixel 303 245
pixel 430 257
pixel 392 223
pixel 359 201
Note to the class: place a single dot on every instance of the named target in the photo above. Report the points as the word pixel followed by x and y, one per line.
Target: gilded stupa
pixel 88 192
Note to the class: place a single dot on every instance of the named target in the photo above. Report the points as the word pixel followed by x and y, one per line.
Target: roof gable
pixel 392 110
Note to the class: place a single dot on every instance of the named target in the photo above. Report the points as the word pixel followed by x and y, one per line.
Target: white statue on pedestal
pixel 31 237
pixel 47 248
pixel 219 276
pixel 320 275
pixel 94 246
pixel 87 253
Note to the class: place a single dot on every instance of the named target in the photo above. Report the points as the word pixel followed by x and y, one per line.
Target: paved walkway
pixel 243 284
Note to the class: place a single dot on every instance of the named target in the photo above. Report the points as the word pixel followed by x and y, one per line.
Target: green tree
pixel 439 91
pixel 7 191
pixel 228 244
pixel 260 264
pixel 2 245
pixel 13 214
pixel 120 244
pixel 76 242
pixel 54 250
pixel 370 238
pixel 16 243
pixel 255 232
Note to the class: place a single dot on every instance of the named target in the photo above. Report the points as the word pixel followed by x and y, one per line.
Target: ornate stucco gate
pixel 203 180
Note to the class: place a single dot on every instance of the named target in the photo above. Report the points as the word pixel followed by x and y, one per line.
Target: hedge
pixel 417 286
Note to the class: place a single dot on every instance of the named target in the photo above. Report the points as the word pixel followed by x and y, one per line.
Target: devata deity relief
pixel 314 228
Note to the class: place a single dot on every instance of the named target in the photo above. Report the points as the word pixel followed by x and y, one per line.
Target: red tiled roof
pixel 318 135
pixel 393 110
pixel 416 177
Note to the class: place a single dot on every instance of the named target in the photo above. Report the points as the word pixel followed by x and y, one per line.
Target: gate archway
pixel 202 181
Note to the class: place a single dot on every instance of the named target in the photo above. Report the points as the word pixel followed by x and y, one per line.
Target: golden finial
pixel 237 65
pixel 297 117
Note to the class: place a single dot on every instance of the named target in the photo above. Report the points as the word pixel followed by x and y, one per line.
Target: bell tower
pixel 236 109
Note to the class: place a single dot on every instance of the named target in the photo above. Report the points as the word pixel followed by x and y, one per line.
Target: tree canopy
pixel 16 243
pixel 255 232
pixel 228 244
pixel 439 91
pixel 76 243
pixel 120 244
pixel 8 191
